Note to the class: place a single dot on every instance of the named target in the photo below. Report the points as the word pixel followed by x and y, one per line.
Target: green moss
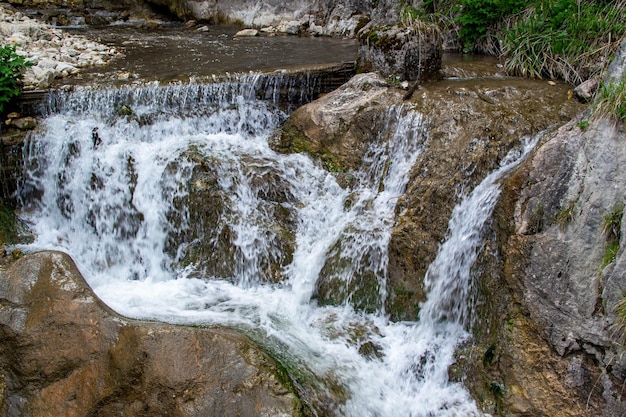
pixel 8 225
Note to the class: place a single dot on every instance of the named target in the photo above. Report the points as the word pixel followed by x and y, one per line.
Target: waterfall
pixel 113 178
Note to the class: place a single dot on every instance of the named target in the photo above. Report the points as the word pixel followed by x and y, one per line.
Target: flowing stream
pixel 108 171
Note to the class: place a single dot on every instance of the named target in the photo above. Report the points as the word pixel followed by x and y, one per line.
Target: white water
pixel 108 205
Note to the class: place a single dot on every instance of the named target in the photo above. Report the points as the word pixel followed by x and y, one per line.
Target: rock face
pixel 320 16
pixel 550 337
pixel 471 126
pixel 64 353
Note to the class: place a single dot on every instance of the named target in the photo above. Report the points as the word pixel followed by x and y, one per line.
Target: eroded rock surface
pixel 471 125
pixel 63 352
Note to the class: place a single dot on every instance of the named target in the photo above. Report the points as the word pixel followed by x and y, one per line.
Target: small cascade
pixel 175 209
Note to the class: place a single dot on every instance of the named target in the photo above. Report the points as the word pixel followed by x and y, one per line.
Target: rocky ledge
pixel 64 353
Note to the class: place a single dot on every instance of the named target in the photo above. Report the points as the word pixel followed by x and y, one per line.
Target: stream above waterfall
pixel 173 53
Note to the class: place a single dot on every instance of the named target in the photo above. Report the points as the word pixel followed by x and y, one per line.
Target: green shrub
pixel 11 67
pixel 476 16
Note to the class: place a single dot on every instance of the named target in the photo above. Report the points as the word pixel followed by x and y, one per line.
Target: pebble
pixel 54 53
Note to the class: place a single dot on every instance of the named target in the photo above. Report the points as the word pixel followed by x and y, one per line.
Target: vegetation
pixel 11 67
pixel 568 39
pixel 611 100
pixel 619 327
pixel 612 228
pixel 563 38
pixel 564 216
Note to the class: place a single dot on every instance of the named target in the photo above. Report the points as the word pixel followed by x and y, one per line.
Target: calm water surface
pixel 174 52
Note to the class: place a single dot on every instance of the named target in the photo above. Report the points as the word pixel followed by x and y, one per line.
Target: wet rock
pixel 24 123
pixel 64 353
pixel 206 244
pixel 328 127
pixel 559 351
pixel 549 292
pixel 405 53
pixel 470 128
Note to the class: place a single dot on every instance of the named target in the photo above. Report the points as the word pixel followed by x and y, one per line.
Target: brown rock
pixel 64 353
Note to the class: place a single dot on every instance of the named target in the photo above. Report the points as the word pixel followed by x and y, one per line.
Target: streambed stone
pixel 53 53
pixel 64 353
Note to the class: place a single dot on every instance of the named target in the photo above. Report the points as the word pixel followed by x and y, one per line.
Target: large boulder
pixel 403 52
pixel 63 352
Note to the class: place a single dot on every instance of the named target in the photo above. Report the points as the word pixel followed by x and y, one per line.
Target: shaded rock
pixel 24 123
pixel 584 92
pixel 64 353
pixel 405 53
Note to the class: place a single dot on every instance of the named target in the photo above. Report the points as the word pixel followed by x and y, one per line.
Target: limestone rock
pixel 470 129
pixel 247 33
pixel 64 353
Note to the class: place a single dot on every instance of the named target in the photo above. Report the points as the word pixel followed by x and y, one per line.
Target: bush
pixel 476 16
pixel 11 67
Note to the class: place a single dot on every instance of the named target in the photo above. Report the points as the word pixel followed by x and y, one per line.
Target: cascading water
pixel 111 178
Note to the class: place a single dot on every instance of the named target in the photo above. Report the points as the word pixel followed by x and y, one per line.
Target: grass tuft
pixel 610 101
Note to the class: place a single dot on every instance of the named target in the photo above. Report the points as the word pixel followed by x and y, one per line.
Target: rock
pixel 555 296
pixel 247 33
pixel 470 129
pixel 55 52
pixel 24 123
pixel 405 53
pixel 327 128
pixel 584 92
pixel 617 68
pixel 293 27
pixel 204 29
pixel 64 353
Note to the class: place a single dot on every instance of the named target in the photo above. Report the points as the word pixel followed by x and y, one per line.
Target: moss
pixel 8 225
